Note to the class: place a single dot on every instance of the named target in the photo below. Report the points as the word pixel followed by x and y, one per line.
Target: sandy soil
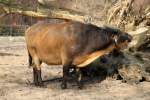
pixel 16 79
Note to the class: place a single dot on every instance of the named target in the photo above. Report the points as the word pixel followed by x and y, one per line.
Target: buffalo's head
pixel 122 40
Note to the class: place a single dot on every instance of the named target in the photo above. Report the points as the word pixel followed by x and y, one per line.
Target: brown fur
pixel 53 44
pixel 68 43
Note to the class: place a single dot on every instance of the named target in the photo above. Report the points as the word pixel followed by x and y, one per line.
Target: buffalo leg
pixel 79 78
pixel 40 78
pixel 37 77
pixel 65 76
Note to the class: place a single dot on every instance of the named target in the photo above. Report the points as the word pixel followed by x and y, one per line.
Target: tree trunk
pixel 50 13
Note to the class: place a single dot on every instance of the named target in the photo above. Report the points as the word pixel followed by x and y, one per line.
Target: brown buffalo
pixel 70 43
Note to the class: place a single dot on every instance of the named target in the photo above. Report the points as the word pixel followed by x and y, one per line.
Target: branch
pixel 51 13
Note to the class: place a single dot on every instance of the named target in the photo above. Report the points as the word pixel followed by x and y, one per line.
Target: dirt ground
pixel 16 79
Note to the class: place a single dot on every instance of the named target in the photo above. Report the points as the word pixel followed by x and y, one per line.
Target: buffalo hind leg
pixel 79 78
pixel 37 78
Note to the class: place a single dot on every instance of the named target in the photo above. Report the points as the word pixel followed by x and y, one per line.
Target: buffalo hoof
pixel 80 86
pixel 63 86
pixel 36 84
pixel 41 85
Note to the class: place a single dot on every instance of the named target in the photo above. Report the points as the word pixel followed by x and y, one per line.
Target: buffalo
pixel 70 44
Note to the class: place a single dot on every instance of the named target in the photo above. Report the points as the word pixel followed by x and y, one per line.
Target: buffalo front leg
pixel 65 76
pixel 79 78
